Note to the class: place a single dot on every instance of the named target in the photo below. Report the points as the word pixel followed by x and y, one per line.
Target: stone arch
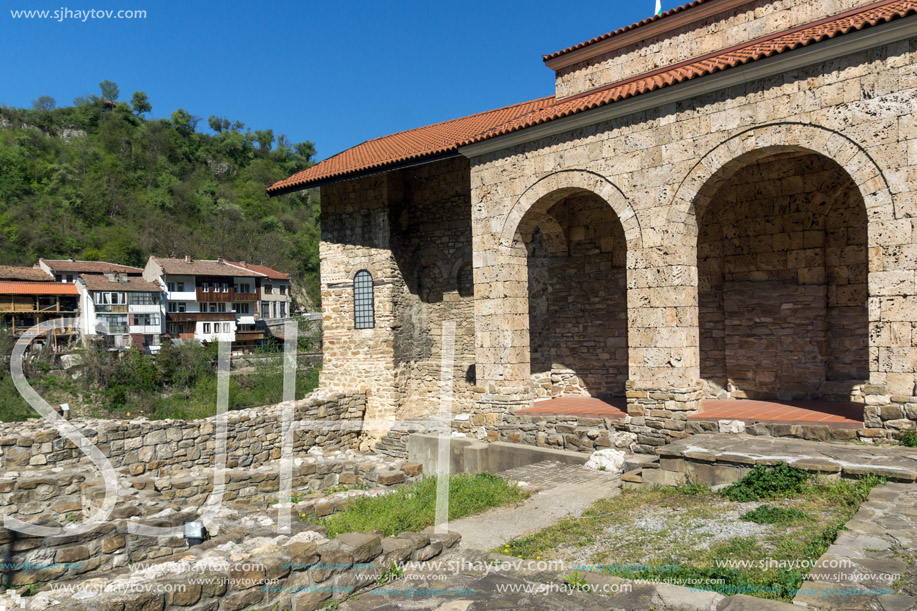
pixel 550 189
pixel 431 256
pixel 722 161
pixel 361 266
pixel 462 256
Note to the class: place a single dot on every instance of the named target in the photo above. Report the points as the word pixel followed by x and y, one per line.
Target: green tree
pixel 44 102
pixel 140 103
pixel 218 124
pixel 109 90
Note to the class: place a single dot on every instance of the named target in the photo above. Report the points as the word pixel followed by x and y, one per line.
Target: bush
pixel 767 482
pixel 765 514
pixel 909 439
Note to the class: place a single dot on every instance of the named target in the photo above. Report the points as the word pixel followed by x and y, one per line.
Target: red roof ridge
pixel 626 28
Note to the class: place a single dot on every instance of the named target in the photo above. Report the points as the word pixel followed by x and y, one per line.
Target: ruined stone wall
pixel 658 168
pixel 753 20
pixel 144 446
pixel 782 294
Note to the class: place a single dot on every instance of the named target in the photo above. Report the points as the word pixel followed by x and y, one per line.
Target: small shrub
pixel 394 572
pixel 767 482
pixel 765 514
pixel 909 439
pixel 577 582
pixel 695 489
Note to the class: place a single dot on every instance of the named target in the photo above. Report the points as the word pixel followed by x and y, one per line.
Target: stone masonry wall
pixel 144 446
pixel 782 268
pixel 658 169
pixel 755 19
pixel 577 302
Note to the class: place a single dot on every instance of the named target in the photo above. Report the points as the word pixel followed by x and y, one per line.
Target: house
pixel 714 206
pixel 275 301
pixel 68 270
pixel 121 310
pixel 208 300
pixel 29 297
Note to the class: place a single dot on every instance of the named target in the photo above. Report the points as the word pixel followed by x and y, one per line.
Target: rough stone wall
pixel 658 168
pixel 756 19
pixel 144 446
pixel 782 267
pixel 412 230
pixel 577 301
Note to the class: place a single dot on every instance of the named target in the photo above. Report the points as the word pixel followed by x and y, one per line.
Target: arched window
pixel 364 316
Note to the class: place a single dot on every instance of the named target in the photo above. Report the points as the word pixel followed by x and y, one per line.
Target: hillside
pixel 99 181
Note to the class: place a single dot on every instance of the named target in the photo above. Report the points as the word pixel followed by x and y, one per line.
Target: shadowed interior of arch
pixel 577 296
pixel 782 279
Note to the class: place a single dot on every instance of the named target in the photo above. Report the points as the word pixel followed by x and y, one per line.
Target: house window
pixel 225 327
pixel 363 307
pixel 171 287
pixel 242 308
pixel 206 327
pixel 180 286
pixel 225 287
pixel 205 287
pixel 274 310
pixel 265 309
pixel 283 310
pixel 176 307
pixel 143 299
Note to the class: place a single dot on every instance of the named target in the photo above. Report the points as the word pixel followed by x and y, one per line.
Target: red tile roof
pixel 628 28
pixel 262 269
pixel 88 267
pixel 422 142
pixel 445 138
pixel 38 288
pixel 28 274
pixel 132 284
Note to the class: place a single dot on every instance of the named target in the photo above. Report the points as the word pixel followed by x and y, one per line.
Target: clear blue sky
pixel 336 73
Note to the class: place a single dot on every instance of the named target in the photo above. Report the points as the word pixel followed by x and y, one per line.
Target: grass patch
pixel 767 482
pixel 765 514
pixel 693 536
pixel 909 439
pixel 413 507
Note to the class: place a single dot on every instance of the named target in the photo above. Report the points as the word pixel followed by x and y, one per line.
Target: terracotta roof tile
pixel 628 28
pixel 38 288
pixel 446 138
pixel 416 143
pixel 262 269
pixel 203 268
pixel 88 267
pixel 133 284
pixel 28 274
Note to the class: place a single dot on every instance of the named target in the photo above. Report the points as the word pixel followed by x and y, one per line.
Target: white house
pixel 123 310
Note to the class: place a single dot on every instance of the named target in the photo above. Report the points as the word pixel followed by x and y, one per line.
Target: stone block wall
pixel 753 19
pixel 144 446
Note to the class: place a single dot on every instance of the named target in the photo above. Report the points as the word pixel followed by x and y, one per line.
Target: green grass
pixel 909 439
pixel 767 482
pixel 413 507
pixel 668 534
pixel 765 514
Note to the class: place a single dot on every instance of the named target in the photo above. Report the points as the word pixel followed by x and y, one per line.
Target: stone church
pixel 718 204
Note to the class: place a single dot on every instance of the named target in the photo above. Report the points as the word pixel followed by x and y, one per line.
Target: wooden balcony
pixel 228 297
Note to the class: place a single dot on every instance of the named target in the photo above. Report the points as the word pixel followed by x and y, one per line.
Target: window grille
pixel 363 306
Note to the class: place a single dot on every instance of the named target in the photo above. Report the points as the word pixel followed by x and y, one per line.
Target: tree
pixel 181 119
pixel 110 90
pixel 44 102
pixel 218 124
pixel 141 103
pixel 264 138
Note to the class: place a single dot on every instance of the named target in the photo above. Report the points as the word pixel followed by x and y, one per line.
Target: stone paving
pixel 898 463
pixel 561 491
pixel 877 551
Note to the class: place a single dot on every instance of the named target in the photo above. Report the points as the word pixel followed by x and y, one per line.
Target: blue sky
pixel 336 73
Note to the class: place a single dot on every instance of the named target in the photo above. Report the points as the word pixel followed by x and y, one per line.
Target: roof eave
pixel 400 165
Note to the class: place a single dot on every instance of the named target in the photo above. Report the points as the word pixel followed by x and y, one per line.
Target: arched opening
pixel 575 252
pixel 782 279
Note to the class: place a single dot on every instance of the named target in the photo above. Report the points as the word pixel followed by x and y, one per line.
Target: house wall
pixel 754 19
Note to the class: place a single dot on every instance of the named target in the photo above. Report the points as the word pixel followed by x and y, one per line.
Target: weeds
pixel 767 482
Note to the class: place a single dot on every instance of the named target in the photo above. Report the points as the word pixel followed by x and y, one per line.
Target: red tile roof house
pixel 28 297
pixel 713 213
